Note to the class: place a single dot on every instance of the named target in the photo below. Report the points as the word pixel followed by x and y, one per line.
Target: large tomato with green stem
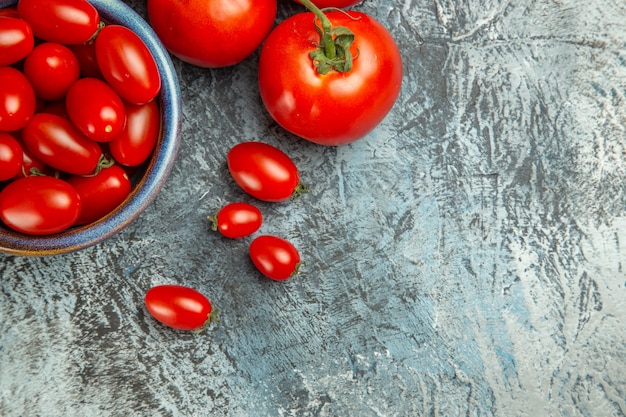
pixel 330 77
pixel 212 33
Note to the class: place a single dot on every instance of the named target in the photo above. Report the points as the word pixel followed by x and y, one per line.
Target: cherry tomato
pixel 179 307
pixel 9 12
pixel 275 257
pixel 16 40
pixel 212 33
pixel 95 109
pixel 32 166
pixel 264 172
pixel 39 205
pixel 62 21
pixel 55 107
pixel 236 220
pixel 87 61
pixel 322 4
pixel 58 143
pixel 337 107
pixel 51 69
pixel 10 156
pixel 17 99
pixel 101 193
pixel 135 144
pixel 127 64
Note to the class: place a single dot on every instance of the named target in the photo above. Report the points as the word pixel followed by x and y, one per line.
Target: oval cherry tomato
pixel 95 109
pixel 9 12
pixel 101 193
pixel 59 144
pixel 16 40
pixel 337 107
pixel 10 156
pixel 274 257
pixel 212 33
pixel 86 55
pixel 135 144
pixel 32 166
pixel 179 307
pixel 62 21
pixel 322 4
pixel 264 172
pixel 127 64
pixel 51 69
pixel 236 220
pixel 17 99
pixel 39 205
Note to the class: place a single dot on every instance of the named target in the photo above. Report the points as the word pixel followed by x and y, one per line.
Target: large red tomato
pixel 212 33
pixel 336 107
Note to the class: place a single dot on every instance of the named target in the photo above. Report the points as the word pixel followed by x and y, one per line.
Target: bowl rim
pixel 157 171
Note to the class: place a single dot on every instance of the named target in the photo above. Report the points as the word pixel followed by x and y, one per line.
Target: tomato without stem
pixel 212 33
pixel 336 107
pixel 136 142
pixel 16 40
pixel 86 55
pixel 127 64
pixel 264 172
pixel 179 307
pixel 51 69
pixel 10 156
pixel 39 205
pixel 17 99
pixel 237 220
pixel 275 257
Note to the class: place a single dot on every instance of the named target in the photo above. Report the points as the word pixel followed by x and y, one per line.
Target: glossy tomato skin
pixel 179 307
pixel 58 143
pixel 237 220
pixel 333 3
pixel 100 193
pixel 212 33
pixel 16 40
pixel 335 108
pixel 275 257
pixel 51 69
pixel 39 205
pixel 88 63
pixel 62 21
pixel 11 156
pixel 127 64
pixel 263 171
pixel 17 100
pixel 135 143
pixel 95 109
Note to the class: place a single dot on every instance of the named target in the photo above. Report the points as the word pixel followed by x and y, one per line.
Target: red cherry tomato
pixel 51 69
pixel 95 109
pixel 264 172
pixel 59 144
pixel 236 220
pixel 322 4
pixel 86 55
pixel 17 100
pixel 62 21
pixel 10 156
pixel 32 166
pixel 127 64
pixel 179 307
pixel 9 12
pixel 16 40
pixel 135 144
pixel 274 257
pixel 39 205
pixel 212 33
pixel 334 108
pixel 101 193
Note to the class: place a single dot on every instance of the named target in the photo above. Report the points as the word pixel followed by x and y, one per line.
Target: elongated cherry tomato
pixel 264 172
pixel 62 21
pixel 100 193
pixel 95 109
pixel 275 257
pixel 51 69
pixel 59 144
pixel 32 166
pixel 179 307
pixel 39 205
pixel 17 99
pixel 236 220
pixel 135 143
pixel 127 64
pixel 16 40
pixel 10 156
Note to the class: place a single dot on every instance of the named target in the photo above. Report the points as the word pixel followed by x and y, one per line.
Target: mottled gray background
pixel 465 259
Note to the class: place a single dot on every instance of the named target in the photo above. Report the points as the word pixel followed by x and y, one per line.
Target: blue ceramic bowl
pixel 159 167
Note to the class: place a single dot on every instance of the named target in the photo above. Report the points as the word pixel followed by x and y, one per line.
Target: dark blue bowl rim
pixel 157 171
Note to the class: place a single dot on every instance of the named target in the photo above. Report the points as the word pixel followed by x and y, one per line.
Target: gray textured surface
pixel 465 259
